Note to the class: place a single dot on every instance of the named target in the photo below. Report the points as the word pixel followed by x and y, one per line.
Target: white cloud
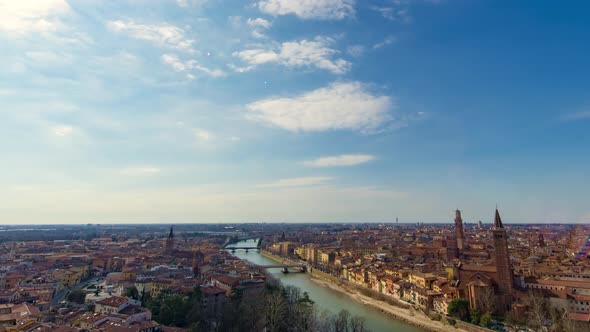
pixel 257 56
pixel 387 41
pixel 309 9
pixel 258 25
pixel 304 53
pixel 24 16
pixel 337 106
pixel 62 130
pixel 296 182
pixel 174 62
pixel 164 35
pixel 178 65
pixel 140 170
pixel 341 160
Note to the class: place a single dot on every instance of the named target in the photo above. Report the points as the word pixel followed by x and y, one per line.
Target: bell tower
pixel 170 241
pixel 504 278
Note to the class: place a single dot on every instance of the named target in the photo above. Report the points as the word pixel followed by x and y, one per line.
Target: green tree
pixel 77 296
pixel 132 292
pixel 459 308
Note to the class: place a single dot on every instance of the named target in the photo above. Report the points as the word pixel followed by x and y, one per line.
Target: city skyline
pixel 314 111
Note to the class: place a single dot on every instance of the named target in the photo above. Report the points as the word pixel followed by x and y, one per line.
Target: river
pixel 326 298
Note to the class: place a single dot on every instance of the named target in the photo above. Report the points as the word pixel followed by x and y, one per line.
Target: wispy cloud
pixel 179 65
pixel 355 50
pixel 162 34
pixel 304 53
pixel 296 182
pixel 581 115
pixel 309 9
pixel 399 13
pixel 341 160
pixel 338 106
pixel 387 41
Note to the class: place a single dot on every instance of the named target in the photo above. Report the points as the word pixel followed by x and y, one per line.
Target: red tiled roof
pixel 227 280
pixel 113 301
pixel 212 290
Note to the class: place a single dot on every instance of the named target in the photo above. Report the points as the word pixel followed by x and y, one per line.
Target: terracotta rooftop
pixel 113 301
pixel 212 290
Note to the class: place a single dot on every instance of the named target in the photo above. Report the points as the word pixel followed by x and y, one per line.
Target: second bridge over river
pixel 285 267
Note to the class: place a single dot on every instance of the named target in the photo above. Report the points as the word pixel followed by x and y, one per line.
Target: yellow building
pixel 423 280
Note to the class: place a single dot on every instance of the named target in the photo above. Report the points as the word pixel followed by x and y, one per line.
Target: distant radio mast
pixel 396 220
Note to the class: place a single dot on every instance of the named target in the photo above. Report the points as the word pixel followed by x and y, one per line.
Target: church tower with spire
pixel 459 231
pixel 170 241
pixel 504 277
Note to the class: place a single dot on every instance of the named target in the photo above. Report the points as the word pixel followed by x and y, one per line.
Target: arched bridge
pixel 233 249
pixel 285 267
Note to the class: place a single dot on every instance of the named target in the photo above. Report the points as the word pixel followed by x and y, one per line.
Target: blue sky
pixel 284 110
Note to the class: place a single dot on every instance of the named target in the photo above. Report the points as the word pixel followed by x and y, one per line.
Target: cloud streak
pixel 341 160
pixel 582 115
pixel 163 35
pixel 296 182
pixel 385 42
pixel 179 65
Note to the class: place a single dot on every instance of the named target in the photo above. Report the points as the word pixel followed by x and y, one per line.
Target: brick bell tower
pixel 459 231
pixel 504 277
